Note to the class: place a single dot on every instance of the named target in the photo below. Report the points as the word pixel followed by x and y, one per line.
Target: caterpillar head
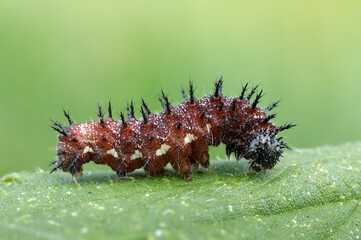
pixel 260 146
pixel 264 151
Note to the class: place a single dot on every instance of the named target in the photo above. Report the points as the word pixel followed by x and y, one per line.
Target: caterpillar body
pixel 179 135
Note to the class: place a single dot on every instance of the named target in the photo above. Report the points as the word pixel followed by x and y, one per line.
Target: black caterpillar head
pixel 256 138
pixel 264 151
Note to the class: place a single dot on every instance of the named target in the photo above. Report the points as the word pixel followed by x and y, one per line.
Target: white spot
pixel 113 152
pixel 208 127
pixel 136 155
pixel 87 149
pixel 189 138
pixel 162 150
pixel 265 139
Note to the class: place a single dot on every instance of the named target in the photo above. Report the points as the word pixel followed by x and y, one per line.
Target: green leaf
pixel 311 193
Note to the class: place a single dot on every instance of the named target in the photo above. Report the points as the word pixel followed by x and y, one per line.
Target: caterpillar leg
pixel 77 174
pixel 203 158
pixel 122 175
pixel 155 166
pixel 188 175
pixel 183 167
pixel 159 172
pixel 200 154
pixel 76 170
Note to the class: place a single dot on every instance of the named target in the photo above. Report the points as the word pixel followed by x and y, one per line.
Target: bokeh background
pixel 71 54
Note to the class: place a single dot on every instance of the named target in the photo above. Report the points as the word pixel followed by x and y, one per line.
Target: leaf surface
pixel 311 193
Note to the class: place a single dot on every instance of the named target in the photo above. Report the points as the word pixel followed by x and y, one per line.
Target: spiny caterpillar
pixel 179 135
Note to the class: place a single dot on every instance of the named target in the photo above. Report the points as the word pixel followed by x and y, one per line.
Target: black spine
pixel 143 114
pixel 184 94
pixel 59 131
pixel 167 103
pixel 161 101
pixel 285 127
pixel 218 87
pixel 110 110
pixel 146 107
pixel 191 92
pixel 268 118
pixel 130 110
pixel 251 93
pixel 68 117
pixel 101 115
pixel 244 89
pixel 273 105
pixel 255 102
pixel 122 118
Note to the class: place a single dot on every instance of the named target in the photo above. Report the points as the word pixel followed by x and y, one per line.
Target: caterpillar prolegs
pixel 179 135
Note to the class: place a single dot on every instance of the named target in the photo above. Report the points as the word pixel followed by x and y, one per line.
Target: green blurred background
pixel 70 54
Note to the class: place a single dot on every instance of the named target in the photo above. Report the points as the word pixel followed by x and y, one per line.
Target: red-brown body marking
pixel 179 135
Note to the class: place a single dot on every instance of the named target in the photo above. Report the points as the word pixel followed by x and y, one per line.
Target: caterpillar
pixel 179 135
